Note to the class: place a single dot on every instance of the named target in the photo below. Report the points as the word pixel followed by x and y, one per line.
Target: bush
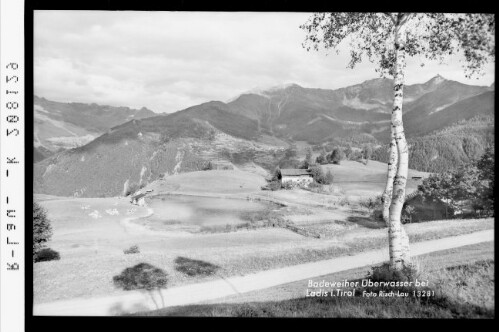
pixel 328 178
pixel 312 185
pixel 367 152
pixel 348 152
pixel 132 188
pixel 322 158
pixel 407 214
pixel 42 230
pixel 142 276
pixel 371 203
pixel 344 201
pixel 337 156
pixel 319 176
pixel 132 250
pixel 274 183
pixel 207 166
pixel 273 186
pixel 384 273
pixel 46 255
pixel 193 267
pixel 356 155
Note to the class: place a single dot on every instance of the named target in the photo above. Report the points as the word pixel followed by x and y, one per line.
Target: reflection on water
pixel 175 212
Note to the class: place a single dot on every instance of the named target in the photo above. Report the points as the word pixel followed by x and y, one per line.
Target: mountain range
pixel 254 127
pixel 60 126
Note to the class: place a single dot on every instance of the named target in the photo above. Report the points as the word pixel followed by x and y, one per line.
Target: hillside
pixel 138 155
pixel 60 126
pixel 254 127
pixel 448 148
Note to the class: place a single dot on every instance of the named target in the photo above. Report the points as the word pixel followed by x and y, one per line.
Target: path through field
pixel 135 301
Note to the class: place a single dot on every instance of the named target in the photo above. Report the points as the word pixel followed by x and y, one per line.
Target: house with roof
pixel 138 198
pixel 296 176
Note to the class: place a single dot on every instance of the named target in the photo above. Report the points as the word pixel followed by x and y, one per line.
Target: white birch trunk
pixel 392 170
pixel 398 240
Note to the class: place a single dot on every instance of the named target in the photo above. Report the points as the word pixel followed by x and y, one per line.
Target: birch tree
pixel 385 39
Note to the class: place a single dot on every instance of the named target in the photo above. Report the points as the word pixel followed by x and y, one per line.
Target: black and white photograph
pixel 263 164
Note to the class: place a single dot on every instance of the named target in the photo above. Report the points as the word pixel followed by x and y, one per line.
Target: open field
pixel 357 179
pixel 193 293
pixel 221 182
pixel 91 234
pixel 92 249
pixel 428 263
pixel 461 291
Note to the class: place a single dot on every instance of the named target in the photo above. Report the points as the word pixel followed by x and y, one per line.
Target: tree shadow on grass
pixel 143 277
pixel 366 222
pixel 193 267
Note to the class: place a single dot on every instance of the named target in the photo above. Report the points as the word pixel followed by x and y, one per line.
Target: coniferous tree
pixel 42 230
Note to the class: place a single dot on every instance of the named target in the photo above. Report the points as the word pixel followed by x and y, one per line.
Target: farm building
pixel 138 198
pixel 428 208
pixel 296 176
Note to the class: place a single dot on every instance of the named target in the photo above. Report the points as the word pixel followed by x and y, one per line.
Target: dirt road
pixel 189 294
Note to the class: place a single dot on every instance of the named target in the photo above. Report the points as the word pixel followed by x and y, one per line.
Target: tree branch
pixel 391 17
pixel 405 18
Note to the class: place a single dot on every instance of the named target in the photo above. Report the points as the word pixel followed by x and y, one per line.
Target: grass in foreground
pixel 464 291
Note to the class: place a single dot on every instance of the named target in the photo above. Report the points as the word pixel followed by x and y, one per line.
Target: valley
pixel 202 170
pixel 254 127
pixel 92 233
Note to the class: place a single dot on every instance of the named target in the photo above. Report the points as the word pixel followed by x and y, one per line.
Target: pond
pixel 194 213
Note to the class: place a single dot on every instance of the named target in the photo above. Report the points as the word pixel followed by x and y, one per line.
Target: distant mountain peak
pixel 266 91
pixel 437 79
pixel 274 88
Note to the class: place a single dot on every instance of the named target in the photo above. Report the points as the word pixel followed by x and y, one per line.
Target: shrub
pixel 328 178
pixel 193 267
pixel 42 230
pixel 207 166
pixel 356 155
pixel 344 201
pixel 313 185
pixel 132 250
pixel 287 185
pixel 348 152
pixel 384 272
pixel 367 152
pixel 407 214
pixel 322 158
pixel 337 156
pixel 141 276
pixel 319 176
pixel 132 188
pixel 274 185
pixel 46 254
pixel 371 203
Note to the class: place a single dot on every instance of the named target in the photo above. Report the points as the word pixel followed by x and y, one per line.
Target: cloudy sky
pixel 168 61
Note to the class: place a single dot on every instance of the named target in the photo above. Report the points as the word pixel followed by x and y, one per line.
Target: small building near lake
pixel 138 199
pixel 296 176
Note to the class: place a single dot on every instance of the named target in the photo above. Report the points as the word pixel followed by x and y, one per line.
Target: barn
pixel 426 209
pixel 138 199
pixel 296 176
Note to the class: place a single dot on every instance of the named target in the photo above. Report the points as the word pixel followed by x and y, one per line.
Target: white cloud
pixel 169 61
